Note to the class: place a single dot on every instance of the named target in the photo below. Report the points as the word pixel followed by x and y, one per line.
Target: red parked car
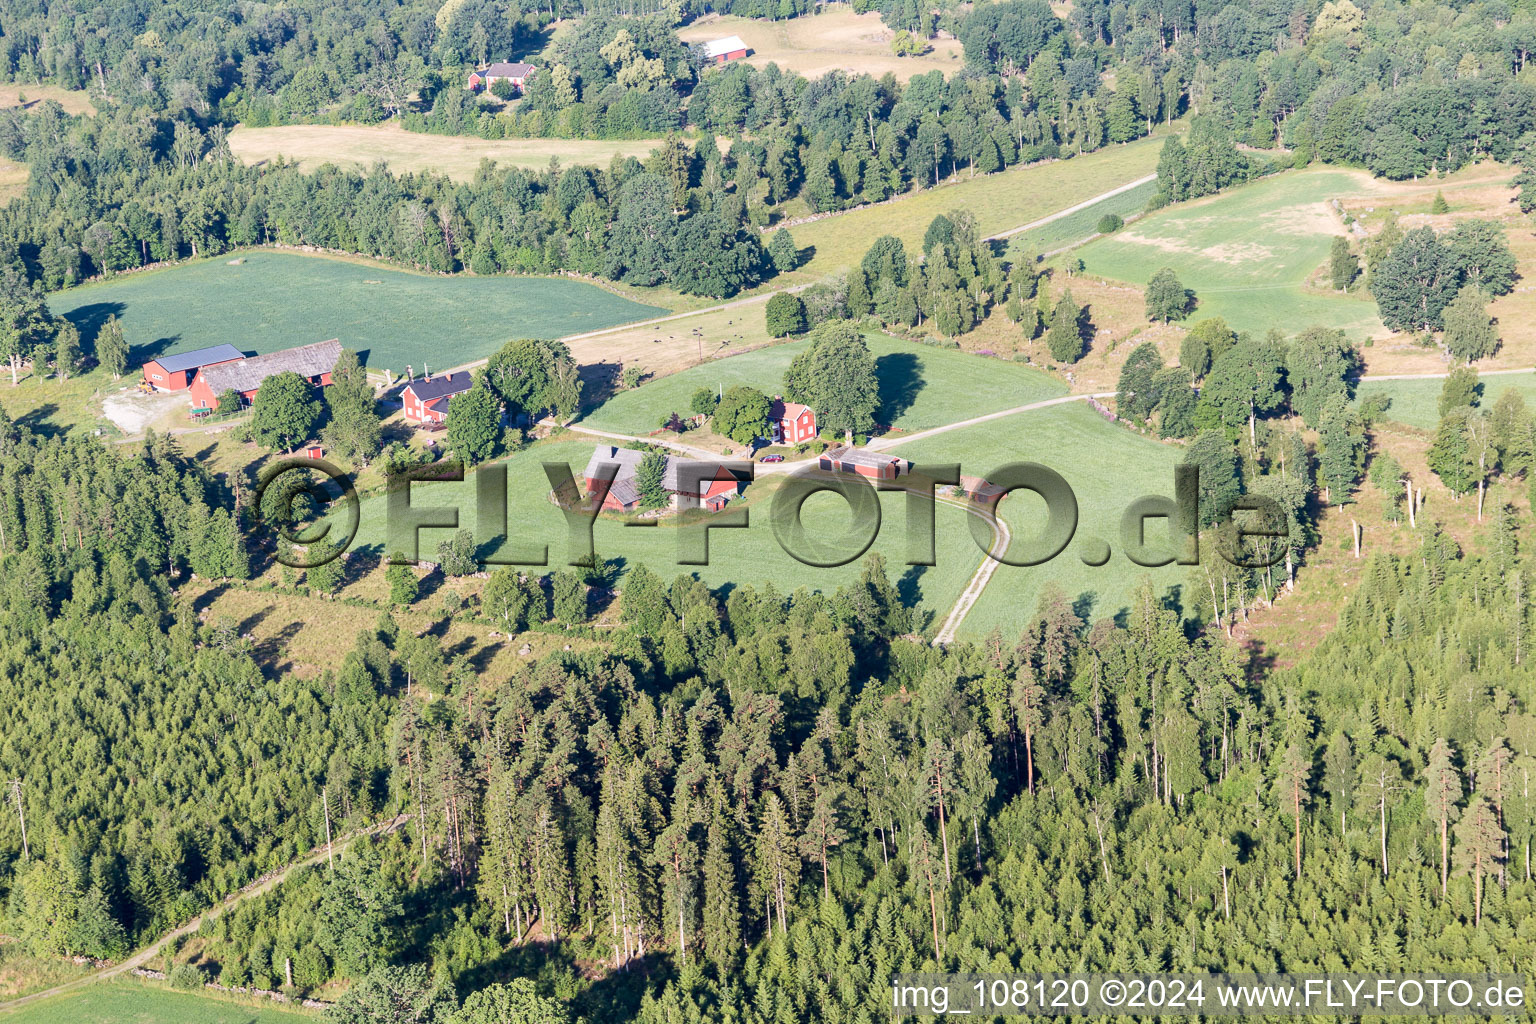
pixel 773 458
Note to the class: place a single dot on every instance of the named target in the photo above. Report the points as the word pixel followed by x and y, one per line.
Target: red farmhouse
pixel 484 78
pixel 175 372
pixel 624 494
pixel 847 459
pixel 426 400
pixel 312 362
pixel 790 422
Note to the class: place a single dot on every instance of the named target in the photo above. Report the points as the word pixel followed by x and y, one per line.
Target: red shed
pixel 848 459
pixel 176 372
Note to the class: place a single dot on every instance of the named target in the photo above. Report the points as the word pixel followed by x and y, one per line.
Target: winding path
pixel 262 885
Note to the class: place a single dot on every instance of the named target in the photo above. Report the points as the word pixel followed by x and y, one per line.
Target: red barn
pixel 312 362
pixel 718 51
pixel 176 372
pixel 426 400
pixel 712 492
pixel 516 73
pixel 848 459
pixel 790 422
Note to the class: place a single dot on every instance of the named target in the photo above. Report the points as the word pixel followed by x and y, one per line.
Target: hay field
pixel 457 156
pixel 836 39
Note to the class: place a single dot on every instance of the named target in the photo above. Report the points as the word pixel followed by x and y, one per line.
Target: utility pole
pixel 26 851
pixel 325 796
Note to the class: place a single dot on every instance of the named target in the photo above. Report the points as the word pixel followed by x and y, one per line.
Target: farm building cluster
pixel 208 374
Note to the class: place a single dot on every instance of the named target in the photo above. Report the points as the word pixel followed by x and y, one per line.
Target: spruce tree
pixel 1065 338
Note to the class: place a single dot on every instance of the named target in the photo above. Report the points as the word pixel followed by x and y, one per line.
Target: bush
pixel 1157 202
pixel 186 977
pixel 1110 223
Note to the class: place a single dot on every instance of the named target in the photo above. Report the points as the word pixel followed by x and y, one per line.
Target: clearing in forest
pixel 272 300
pixel 457 156
pixel 835 39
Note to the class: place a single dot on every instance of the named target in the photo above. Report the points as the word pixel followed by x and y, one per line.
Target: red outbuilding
pixel 176 372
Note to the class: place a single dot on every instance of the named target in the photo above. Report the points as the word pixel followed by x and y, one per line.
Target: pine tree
pixel 1479 848
pixel 1442 794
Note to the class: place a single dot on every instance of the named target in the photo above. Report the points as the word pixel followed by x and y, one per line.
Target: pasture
pixel 1000 202
pixel 743 556
pixel 1081 226
pixel 1416 403
pixel 457 156
pixel 29 97
pixel 273 300
pixel 130 1002
pixel 1108 467
pixel 921 386
pixel 1249 253
pixel 835 39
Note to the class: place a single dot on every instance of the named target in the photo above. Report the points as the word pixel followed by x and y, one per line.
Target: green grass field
pixel 999 201
pixel 1416 403
pixel 921 386
pixel 128 1002
pixel 746 556
pixel 1108 468
pixel 1083 224
pixel 274 300
pixel 1246 253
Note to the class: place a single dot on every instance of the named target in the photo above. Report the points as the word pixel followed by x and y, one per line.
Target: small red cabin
pixel 790 422
pixel 426 400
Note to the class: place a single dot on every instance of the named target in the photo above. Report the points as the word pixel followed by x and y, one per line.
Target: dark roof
pixel 502 69
pixel 628 461
pixel 850 456
pixel 442 384
pixel 198 357
pixel 247 374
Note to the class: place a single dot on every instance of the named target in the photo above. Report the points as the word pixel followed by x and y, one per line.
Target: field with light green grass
pixel 130 1002
pixel 275 300
pixel 1107 466
pixel 1000 201
pixel 1248 253
pixel 742 556
pixel 921 386
pixel 1084 224
pixel 1416 403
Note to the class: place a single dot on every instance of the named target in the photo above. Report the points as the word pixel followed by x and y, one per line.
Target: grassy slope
pixel 127 1002
pixel 1416 403
pixel 1108 467
pixel 1000 201
pixel 458 156
pixel 749 556
pixel 1084 224
pixel 275 299
pixel 1246 253
pixel 921 386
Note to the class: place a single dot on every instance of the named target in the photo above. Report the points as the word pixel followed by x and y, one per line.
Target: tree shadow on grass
pixel 89 318
pixel 900 378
